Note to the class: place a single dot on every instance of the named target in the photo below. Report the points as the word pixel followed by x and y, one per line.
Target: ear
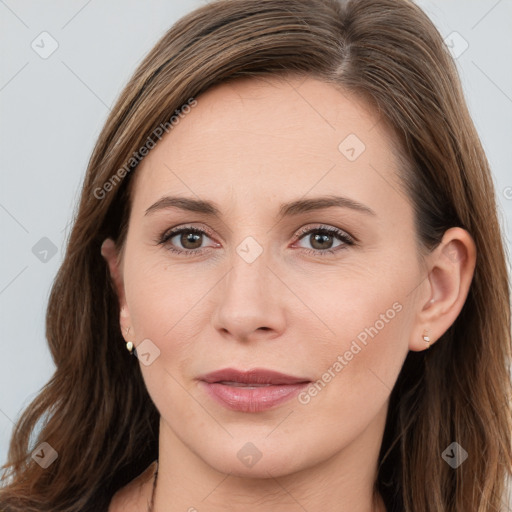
pixel 110 253
pixel 450 272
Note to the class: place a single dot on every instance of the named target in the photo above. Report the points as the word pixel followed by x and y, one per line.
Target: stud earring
pixel 426 338
pixel 131 348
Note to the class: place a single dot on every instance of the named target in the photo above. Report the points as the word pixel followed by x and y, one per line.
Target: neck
pixel 343 482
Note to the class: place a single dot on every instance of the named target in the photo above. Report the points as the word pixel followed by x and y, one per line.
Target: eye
pixel 322 238
pixel 189 238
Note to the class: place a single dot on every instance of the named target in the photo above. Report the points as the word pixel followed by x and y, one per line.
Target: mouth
pixel 255 390
pixel 243 385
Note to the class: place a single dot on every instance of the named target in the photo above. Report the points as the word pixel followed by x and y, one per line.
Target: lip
pixel 253 390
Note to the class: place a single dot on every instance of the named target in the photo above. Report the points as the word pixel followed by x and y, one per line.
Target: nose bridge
pixel 248 276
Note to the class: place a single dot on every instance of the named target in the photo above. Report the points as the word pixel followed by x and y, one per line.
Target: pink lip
pixel 271 388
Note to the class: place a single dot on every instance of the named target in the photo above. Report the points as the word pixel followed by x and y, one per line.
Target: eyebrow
pixel 287 209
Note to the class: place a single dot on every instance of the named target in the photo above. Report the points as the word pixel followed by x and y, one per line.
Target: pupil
pixel 190 238
pixel 320 238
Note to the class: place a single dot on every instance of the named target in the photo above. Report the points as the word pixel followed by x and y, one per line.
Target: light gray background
pixel 52 110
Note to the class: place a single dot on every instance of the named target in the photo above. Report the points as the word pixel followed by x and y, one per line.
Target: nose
pixel 250 301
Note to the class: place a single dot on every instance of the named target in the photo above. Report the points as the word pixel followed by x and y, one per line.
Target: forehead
pixel 254 139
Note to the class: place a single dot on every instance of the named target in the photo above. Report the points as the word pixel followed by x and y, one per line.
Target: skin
pixel 250 146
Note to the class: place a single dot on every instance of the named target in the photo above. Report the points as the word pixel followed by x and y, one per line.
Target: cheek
pixel 160 297
pixel 371 338
pixel 365 323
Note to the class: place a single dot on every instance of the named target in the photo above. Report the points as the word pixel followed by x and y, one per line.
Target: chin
pixel 259 459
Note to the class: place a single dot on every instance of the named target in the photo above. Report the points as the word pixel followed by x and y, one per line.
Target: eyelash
pixel 341 235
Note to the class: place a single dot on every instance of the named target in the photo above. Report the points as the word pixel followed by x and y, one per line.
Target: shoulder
pixel 136 494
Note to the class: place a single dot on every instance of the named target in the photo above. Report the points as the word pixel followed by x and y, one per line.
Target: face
pixel 270 278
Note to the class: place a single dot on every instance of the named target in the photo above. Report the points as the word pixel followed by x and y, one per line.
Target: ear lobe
pixel 110 253
pixel 450 272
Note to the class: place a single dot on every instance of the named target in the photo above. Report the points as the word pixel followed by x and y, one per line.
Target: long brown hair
pixel 96 412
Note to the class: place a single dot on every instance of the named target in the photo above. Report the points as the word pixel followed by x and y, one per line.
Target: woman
pixel 290 221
